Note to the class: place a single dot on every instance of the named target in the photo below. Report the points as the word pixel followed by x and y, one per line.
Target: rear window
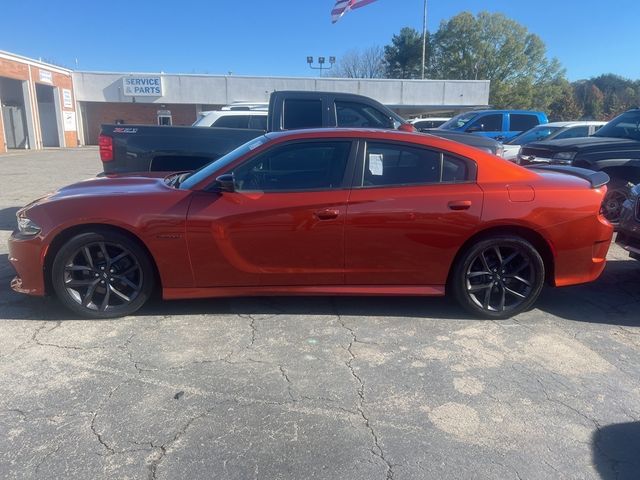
pixel 258 122
pixel 302 113
pixel 521 121
pixel 232 121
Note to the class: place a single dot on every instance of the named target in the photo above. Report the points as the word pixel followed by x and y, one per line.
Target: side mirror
pixel 475 128
pixel 225 183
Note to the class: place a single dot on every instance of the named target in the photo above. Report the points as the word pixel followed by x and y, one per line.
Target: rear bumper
pixel 27 258
pixel 583 256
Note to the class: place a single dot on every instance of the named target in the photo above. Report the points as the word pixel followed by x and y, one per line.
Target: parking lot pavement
pixel 322 388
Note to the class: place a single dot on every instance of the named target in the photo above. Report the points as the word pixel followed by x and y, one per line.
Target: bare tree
pixel 366 63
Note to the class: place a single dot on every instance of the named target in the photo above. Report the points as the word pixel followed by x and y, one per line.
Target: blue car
pixel 501 125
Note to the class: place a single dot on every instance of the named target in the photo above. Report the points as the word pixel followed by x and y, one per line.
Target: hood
pixel 583 143
pixel 113 185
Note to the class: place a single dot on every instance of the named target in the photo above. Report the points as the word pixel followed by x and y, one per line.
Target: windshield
pixel 536 133
pixel 201 174
pixel 626 125
pixel 458 121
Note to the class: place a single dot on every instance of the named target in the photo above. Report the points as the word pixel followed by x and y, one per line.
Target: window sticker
pixel 375 163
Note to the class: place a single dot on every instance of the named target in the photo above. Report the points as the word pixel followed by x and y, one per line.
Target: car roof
pixel 232 113
pixel 535 112
pixel 572 124
pixel 436 119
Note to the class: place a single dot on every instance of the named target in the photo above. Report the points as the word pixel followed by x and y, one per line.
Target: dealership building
pixel 48 106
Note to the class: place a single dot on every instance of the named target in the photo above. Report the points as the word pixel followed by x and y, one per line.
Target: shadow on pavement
pixel 8 218
pixel 616 451
pixel 612 299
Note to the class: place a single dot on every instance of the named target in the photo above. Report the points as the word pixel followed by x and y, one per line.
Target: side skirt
pixel 346 290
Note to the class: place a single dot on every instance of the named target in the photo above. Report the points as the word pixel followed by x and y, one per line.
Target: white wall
pixel 221 90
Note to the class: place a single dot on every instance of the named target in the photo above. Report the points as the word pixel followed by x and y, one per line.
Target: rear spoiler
pixel 596 179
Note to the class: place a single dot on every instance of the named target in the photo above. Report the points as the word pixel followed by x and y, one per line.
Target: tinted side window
pixel 519 122
pixel 392 164
pixel 488 123
pixel 298 166
pixel 258 122
pixel 358 115
pixel 232 121
pixel 302 113
pixel 574 132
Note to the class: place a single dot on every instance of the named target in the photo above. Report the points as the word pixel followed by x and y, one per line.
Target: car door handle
pixel 459 205
pixel 327 214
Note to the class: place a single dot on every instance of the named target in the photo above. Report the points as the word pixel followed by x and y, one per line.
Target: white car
pixel 232 118
pixel 422 124
pixel 549 131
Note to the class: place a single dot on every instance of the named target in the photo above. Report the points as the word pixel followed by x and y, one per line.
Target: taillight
pixel 106 148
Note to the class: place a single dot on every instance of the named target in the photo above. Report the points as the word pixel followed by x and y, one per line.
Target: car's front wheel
pixel 102 275
pixel 498 277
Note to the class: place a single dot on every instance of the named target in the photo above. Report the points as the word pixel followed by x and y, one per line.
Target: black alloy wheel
pixel 617 193
pixel 102 275
pixel 498 277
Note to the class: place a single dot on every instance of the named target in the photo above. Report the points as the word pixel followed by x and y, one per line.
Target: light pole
pixel 424 37
pixel 321 63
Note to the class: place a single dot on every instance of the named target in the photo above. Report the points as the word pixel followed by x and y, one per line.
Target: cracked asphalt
pixel 315 388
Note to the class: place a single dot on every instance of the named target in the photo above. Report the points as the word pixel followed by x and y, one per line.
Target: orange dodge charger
pixel 319 212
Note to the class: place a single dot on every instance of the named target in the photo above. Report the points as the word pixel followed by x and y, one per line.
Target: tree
pixel 403 57
pixel 564 105
pixel 367 63
pixel 494 47
pixel 591 98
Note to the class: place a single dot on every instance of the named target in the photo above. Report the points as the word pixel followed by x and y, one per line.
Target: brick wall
pixel 19 70
pixel 132 113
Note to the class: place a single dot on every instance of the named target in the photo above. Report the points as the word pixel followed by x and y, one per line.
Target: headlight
pixel 26 226
pixel 500 151
pixel 564 157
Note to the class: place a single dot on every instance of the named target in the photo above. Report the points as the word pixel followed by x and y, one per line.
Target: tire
pixel 498 277
pixel 617 192
pixel 102 274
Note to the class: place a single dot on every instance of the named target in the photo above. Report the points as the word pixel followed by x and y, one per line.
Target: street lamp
pixel 321 63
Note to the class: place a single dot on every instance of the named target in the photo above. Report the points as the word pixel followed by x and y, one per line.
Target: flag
pixel 343 6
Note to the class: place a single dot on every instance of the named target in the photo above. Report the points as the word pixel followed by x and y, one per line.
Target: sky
pixel 273 38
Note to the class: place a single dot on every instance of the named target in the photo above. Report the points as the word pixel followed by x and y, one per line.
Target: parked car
pixel 318 212
pixel 140 148
pixel 251 119
pixel 549 131
pixel 614 149
pixel 422 124
pixel 486 144
pixel 628 236
pixel 500 125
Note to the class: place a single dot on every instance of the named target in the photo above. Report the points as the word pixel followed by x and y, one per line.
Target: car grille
pixel 536 152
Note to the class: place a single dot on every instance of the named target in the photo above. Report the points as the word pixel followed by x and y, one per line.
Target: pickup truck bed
pixel 140 148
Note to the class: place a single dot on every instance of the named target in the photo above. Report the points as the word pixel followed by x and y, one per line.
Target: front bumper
pixel 27 258
pixel 629 229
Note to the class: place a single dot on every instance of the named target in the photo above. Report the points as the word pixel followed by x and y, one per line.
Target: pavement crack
pixel 376 450
pixel 284 374
pixel 94 416
pixel 163 449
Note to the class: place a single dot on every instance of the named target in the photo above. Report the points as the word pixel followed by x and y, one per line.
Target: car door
pixel 284 222
pixel 409 212
pixel 520 122
pixel 488 125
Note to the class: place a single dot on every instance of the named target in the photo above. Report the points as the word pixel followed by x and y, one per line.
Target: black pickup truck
pixel 613 149
pixel 139 148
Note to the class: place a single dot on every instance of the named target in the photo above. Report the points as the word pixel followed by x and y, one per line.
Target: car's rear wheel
pixel 617 192
pixel 498 277
pixel 102 275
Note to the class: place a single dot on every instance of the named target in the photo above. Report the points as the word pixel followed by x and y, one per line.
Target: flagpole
pixel 424 37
